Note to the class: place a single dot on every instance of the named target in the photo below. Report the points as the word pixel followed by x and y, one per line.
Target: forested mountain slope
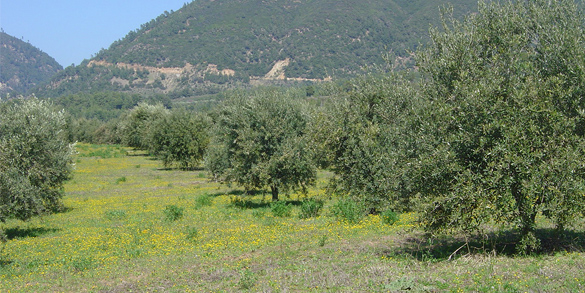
pixel 208 45
pixel 23 66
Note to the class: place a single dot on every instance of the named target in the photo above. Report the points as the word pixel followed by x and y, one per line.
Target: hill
pixel 209 45
pixel 23 66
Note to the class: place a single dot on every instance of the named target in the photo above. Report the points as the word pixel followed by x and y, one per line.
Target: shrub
pixel 389 217
pixel 173 213
pixel 192 233
pixel 347 210
pixel 258 214
pixel 281 209
pixel 322 240
pixel 239 202
pixel 116 214
pixel 247 280
pixel 203 200
pixel 310 208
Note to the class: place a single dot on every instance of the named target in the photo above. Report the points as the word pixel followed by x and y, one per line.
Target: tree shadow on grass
pixel 242 201
pixel 61 209
pixel 191 169
pixel 426 248
pixel 243 193
pixel 17 232
pixel 5 263
pixel 137 153
pixel 239 192
pixel 251 204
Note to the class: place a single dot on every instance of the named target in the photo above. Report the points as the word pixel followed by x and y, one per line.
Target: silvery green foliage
pixel 180 138
pixel 259 141
pixel 502 129
pixel 136 126
pixel 35 159
pixel 493 132
pixel 358 135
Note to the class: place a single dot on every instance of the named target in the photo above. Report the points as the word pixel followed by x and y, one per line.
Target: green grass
pixel 117 237
pixel 101 151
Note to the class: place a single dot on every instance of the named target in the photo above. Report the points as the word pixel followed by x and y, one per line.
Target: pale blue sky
pixel 73 30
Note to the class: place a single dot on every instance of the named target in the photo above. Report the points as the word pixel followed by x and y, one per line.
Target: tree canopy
pixel 504 118
pixel 259 141
pixel 138 123
pixel 356 135
pixel 35 159
pixel 180 138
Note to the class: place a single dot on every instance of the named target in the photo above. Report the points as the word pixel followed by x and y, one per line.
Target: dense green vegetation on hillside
pixel 105 106
pixel 23 66
pixel 94 79
pixel 318 38
pixel 95 117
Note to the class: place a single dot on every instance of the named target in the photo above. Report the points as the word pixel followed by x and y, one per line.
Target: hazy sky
pixel 73 30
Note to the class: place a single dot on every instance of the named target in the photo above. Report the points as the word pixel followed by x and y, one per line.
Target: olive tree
pixel 181 138
pixel 259 142
pixel 35 159
pixel 136 124
pixel 504 119
pixel 356 134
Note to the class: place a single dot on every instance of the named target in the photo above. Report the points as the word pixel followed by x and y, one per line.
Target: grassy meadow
pixel 132 226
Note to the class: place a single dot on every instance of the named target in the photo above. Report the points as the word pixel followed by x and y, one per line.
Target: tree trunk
pixel 527 214
pixel 274 190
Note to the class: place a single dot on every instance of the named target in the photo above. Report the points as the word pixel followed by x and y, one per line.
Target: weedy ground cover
pixel 126 235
